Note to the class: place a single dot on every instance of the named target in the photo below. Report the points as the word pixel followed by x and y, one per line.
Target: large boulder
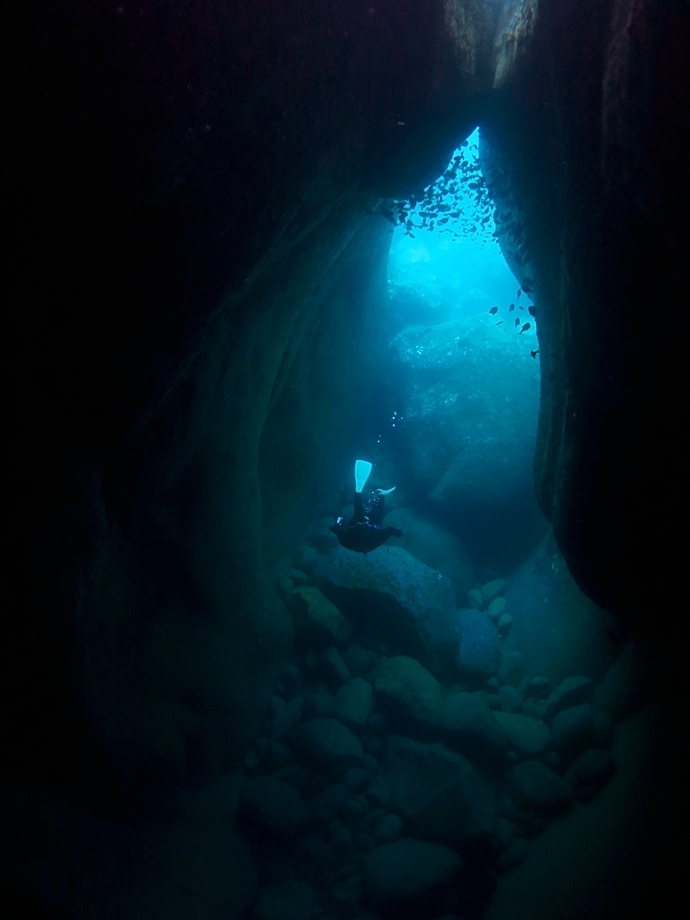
pixel 439 792
pixel 396 598
pixel 471 726
pixel 408 690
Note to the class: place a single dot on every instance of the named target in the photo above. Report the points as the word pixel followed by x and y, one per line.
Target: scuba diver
pixel 364 531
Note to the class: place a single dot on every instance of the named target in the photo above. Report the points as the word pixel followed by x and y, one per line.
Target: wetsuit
pixel 364 531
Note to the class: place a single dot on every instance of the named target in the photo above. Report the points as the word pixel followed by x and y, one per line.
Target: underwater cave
pixel 257 247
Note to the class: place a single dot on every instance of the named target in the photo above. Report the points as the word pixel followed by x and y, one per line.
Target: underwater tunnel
pixel 251 243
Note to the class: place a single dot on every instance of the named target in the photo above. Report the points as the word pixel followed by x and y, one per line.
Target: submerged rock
pixel 330 742
pixel 354 701
pixel 533 785
pixel 408 868
pixel 529 736
pixel 317 618
pixel 479 645
pixel 393 596
pixel 472 726
pixel 572 730
pixel 409 690
pixel 439 792
pixel 569 692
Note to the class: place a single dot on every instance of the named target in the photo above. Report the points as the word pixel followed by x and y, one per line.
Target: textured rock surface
pixel 409 690
pixel 393 595
pixel 439 792
pixel 479 646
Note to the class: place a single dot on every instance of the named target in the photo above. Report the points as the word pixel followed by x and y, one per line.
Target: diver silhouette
pixel 364 531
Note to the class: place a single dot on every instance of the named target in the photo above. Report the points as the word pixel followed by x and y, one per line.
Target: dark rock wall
pixel 591 126
pixel 193 337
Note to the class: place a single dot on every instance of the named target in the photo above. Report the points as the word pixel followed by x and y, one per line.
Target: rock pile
pixel 376 780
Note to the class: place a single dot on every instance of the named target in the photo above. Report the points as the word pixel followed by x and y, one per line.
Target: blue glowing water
pixel 457 266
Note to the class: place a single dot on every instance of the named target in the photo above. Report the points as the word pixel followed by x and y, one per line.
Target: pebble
pixel 529 736
pixel 354 702
pixel 492 590
pixel 539 687
pixel 475 600
pixel 534 708
pixel 533 785
pixel 317 617
pixel 409 689
pixel 510 698
pixel 504 624
pixel 570 692
pixel 359 660
pixel 496 609
pixel 330 742
pixel 334 666
pixel 572 730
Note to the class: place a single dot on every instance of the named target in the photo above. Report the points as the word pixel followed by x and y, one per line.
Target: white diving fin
pixel 362 472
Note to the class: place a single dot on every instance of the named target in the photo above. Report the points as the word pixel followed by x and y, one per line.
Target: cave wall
pixel 196 275
pixel 590 124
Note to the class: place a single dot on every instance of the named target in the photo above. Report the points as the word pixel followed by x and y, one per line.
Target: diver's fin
pixel 384 491
pixel 362 471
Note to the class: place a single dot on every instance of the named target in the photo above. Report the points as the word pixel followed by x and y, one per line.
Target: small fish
pixel 532 310
pixel 525 328
pixel 519 292
pixel 517 321
pixel 511 307
pixel 493 311
pixel 534 353
pixel 499 323
pixel 527 288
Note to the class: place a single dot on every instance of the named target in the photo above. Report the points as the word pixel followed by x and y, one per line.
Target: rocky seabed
pixel 378 790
